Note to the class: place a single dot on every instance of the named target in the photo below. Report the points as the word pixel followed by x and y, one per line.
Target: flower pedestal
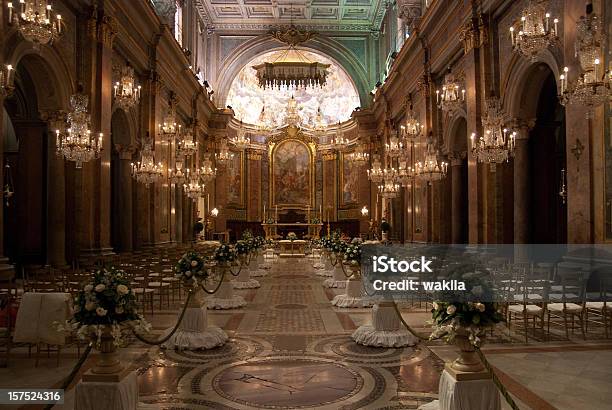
pixel 353 296
pixel 108 385
pixel 260 266
pixel 244 280
pixel 194 333
pixel 225 298
pixel 338 280
pixel 465 383
pixel 327 270
pixel 385 330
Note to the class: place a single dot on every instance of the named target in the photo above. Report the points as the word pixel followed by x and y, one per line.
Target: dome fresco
pixel 337 99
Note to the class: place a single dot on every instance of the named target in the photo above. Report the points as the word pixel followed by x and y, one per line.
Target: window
pixel 178 23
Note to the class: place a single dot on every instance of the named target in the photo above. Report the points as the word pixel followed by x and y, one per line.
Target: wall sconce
pixel 364 211
pixel 214 212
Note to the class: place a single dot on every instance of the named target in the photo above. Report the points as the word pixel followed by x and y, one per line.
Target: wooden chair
pixel 601 308
pixel 569 304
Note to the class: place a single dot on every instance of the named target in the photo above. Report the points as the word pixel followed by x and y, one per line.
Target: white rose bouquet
pixel 191 268
pixel 106 300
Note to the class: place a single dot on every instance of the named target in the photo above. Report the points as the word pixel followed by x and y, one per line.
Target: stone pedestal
pixel 353 296
pixel 225 298
pixel 338 280
pixel 385 330
pixel 460 391
pixel 120 395
pixel 244 280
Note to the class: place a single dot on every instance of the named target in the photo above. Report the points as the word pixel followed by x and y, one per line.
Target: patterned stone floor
pixel 289 348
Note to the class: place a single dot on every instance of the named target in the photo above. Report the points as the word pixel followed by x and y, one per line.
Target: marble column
pixel 456 163
pixel 56 196
pixel 126 230
pixel 521 186
pixel 178 213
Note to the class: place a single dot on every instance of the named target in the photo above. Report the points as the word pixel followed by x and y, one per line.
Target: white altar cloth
pixel 122 395
pixel 465 395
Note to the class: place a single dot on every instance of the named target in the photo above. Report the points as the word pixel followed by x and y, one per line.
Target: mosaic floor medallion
pixel 287 383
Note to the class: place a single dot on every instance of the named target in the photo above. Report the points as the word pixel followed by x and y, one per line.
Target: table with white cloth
pixel 36 317
pixel 295 248
pixel 121 395
pixel 481 394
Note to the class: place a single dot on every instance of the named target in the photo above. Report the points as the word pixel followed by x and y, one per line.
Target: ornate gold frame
pixel 240 204
pixel 291 134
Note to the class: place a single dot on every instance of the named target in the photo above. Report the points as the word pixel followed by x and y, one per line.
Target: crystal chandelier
pixel 431 169
pixel 497 143
pixel 535 31
pixel 186 145
pixel 224 155
pixel 146 171
pixel 126 93
pixel 389 189
pixel 405 173
pixel 594 84
pixel 193 189
pixel 241 141
pixel 412 128
pixel 6 80
pixel 35 21
pixel 207 172
pixel 359 156
pixel 168 128
pixel 176 175
pixel 452 96
pixel 76 143
pixel 376 173
pixel 394 147
pixel 292 69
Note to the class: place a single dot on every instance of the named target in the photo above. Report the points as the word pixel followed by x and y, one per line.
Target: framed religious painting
pixel 235 180
pixel 292 176
pixel 349 181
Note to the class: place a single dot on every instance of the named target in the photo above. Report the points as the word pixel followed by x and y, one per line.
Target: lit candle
pixel 556 21
pixel 562 78
pixel 512 35
pixel 523 19
pixel 547 21
pixel 437 96
pixel 59 24
pixel 264 212
pixel 463 94
pixel 472 137
pixel 597 69
pixel 10 8
pixel 276 213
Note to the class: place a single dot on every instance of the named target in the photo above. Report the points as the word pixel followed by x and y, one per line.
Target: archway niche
pixel 540 213
pixel 34 222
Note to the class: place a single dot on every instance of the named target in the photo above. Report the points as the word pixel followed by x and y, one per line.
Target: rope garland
pixel 180 319
pixel 237 273
pixel 66 382
pixel 344 271
pixel 217 288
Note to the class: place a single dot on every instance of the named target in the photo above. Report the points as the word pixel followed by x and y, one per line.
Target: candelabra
pixel 224 155
pixel 186 145
pixel 497 143
pixel 431 169
pixel 452 96
pixel 207 172
pixel 412 128
pixel 339 142
pixel 359 156
pixel 146 171
pixel 168 129
pixel 176 175
pixel 394 147
pixel 241 141
pixel 593 86
pixel 375 173
pixel 534 32
pixel 76 143
pixel 193 189
pixel 126 93
pixel 405 173
pixel 389 189
pixel 6 81
pixel 35 21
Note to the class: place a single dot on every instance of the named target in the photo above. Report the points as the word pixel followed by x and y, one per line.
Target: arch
pixel 123 127
pixel 263 44
pixel 45 66
pixel 450 142
pixel 522 87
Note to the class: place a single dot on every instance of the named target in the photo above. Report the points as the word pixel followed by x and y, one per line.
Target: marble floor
pixel 289 348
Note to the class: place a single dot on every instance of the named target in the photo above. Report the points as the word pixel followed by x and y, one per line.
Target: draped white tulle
pixel 194 333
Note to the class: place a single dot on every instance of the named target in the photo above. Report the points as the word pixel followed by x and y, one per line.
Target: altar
pixel 292 249
pixel 305 230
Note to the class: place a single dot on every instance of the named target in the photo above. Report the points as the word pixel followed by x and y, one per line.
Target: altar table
pixel 296 248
